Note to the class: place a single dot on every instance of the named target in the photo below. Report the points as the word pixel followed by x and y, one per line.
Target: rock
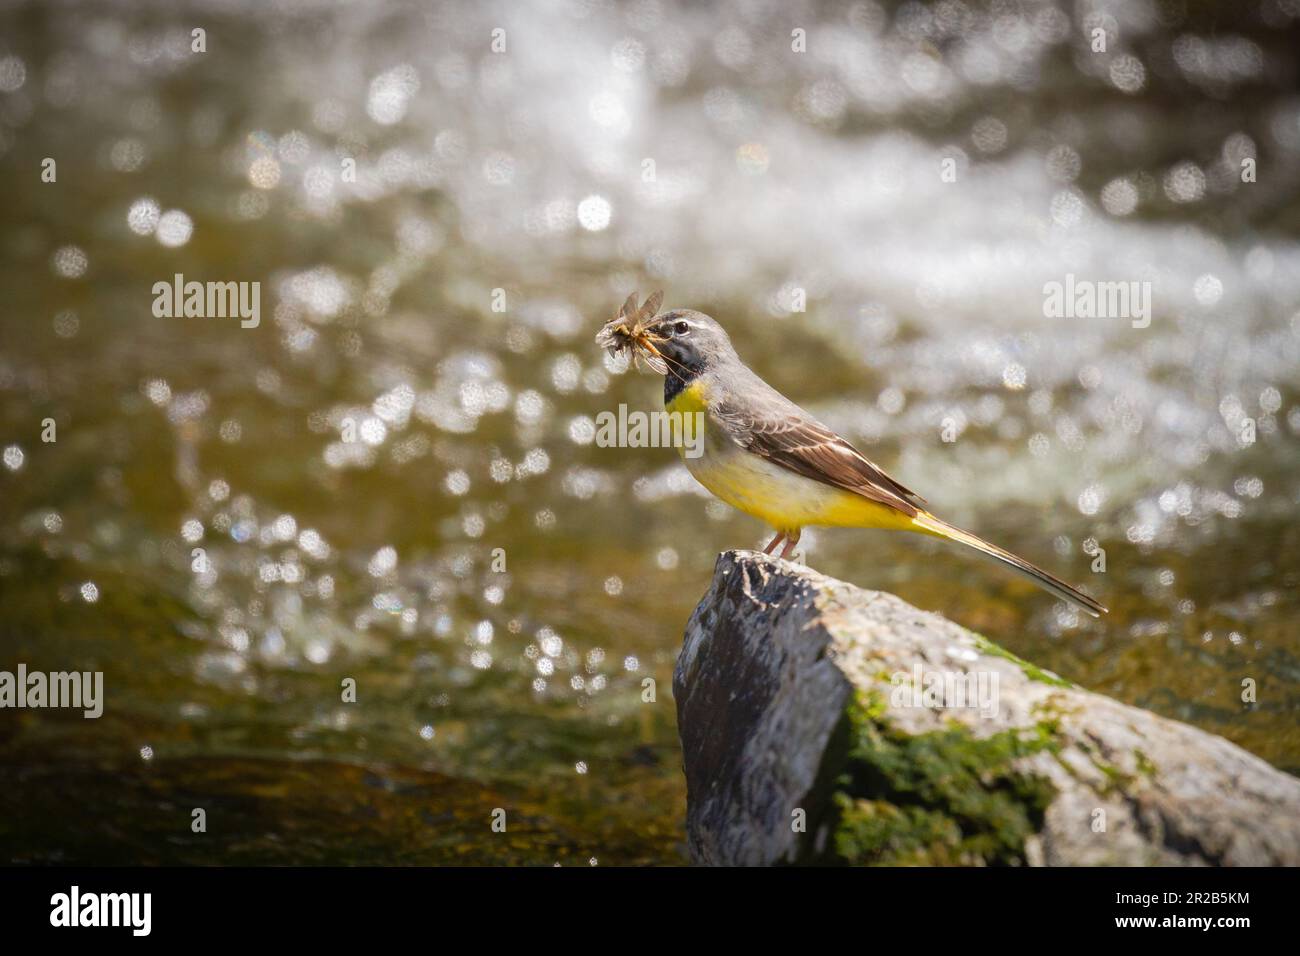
pixel 808 735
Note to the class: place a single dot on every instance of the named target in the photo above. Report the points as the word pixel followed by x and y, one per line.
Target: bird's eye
pixel 681 328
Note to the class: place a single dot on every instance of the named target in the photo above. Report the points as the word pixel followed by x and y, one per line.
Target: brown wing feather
pixel 783 433
pixel 816 452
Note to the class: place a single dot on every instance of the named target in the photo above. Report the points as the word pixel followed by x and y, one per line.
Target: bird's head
pixel 689 340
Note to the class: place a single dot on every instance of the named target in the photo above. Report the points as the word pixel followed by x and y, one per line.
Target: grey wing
pixel 766 423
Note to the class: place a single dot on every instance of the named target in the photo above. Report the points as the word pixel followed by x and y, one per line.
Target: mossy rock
pixel 943 798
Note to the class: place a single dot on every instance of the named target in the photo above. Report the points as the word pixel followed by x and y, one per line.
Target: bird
pixel 764 455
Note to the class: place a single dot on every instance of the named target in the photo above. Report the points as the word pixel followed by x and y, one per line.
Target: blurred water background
pixel 203 532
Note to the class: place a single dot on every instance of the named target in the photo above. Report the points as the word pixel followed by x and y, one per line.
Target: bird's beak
pixel 648 341
pixel 645 341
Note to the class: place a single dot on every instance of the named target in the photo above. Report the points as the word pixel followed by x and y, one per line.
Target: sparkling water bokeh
pixel 394 480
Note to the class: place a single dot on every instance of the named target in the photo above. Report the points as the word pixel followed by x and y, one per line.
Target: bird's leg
pixel 790 541
pixel 775 541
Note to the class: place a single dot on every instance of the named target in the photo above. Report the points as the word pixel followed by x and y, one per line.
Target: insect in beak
pixel 630 329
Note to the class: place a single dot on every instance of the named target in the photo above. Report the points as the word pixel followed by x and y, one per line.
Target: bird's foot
pixel 790 541
pixel 791 538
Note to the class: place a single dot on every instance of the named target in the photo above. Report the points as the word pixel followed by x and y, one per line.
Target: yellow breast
pixel 782 498
pixel 690 399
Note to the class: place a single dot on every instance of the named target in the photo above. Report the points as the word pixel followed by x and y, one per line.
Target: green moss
pixel 876 831
pixel 940 798
pixel 1144 765
pixel 1031 671
pixel 1115 779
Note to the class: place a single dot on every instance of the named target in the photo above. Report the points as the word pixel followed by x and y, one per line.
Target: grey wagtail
pixel 766 456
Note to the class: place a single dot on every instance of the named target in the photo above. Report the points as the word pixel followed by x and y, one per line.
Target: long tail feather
pixel 1053 585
